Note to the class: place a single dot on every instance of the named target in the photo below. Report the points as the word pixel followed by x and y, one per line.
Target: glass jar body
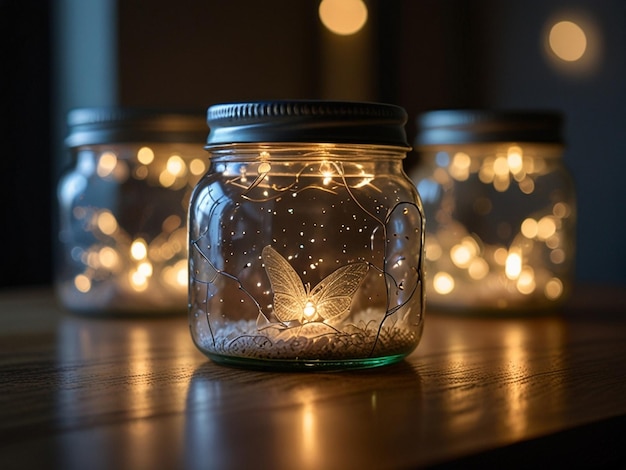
pixel 306 256
pixel 501 226
pixel 123 230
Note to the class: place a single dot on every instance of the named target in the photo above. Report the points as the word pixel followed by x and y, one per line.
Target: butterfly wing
pixel 333 295
pixel 289 293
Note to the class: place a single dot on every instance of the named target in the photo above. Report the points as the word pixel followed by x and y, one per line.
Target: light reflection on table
pixel 137 393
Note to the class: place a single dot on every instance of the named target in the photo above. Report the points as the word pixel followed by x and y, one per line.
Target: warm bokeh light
pixel 443 283
pixel 526 281
pixel 478 269
pixel 108 257
pixel 176 165
pixel 145 155
pixel 514 259
pixel 554 288
pixel 514 159
pixel 343 17
pixel 460 166
pixel 82 283
pixel 145 269
pixel 432 249
pixel 167 179
pixel 513 266
pixel 138 281
pixel 197 167
pixel 139 249
pixel 106 222
pixel 546 227
pixel 106 164
pixel 529 228
pixel 568 41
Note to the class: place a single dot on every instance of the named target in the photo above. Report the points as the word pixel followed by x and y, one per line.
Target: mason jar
pixel 123 207
pixel 306 237
pixel 501 210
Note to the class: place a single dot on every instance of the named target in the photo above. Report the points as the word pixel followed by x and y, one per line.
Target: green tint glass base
pixel 305 365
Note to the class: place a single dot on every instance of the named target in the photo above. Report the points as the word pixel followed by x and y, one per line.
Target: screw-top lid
pixel 91 126
pixel 479 126
pixel 307 121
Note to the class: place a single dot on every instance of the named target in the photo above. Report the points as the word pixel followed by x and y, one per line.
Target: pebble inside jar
pixel 306 237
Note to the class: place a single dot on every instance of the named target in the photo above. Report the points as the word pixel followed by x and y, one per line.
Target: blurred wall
pixel 422 55
pixel 194 53
pixel 591 93
pixel 26 157
pixel 493 54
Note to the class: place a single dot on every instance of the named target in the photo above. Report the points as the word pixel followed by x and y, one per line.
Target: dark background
pixel 422 55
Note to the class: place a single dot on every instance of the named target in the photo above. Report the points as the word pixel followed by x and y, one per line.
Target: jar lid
pixel 105 125
pixel 307 121
pixel 479 126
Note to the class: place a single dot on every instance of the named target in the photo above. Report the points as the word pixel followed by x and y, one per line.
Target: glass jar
pixel 123 208
pixel 501 210
pixel 306 237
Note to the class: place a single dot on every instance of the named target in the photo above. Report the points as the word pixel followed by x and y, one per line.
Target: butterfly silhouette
pixel 295 301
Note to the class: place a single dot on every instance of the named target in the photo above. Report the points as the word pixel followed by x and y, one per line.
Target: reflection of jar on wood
pixel 306 237
pixel 500 207
pixel 123 207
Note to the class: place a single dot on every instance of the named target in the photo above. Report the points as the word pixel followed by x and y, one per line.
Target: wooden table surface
pixel 83 393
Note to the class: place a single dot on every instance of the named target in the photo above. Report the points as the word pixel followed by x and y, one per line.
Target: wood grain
pixel 101 393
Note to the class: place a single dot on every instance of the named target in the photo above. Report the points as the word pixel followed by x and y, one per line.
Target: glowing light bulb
pixel 309 310
pixel 526 281
pixel 553 289
pixel 461 256
pixel 197 167
pixel 568 41
pixel 108 257
pixel 443 283
pixel 432 250
pixel 529 228
pixel 182 276
pixel 167 179
pixel 500 255
pixel 106 164
pixel 478 269
pixel 527 185
pixel 513 266
pixel 176 165
pixel 327 172
pixel 106 222
pixel 561 210
pixel 145 269
pixel 514 159
pixel 501 166
pixel 145 155
pixel 139 249
pixel 138 281
pixel 82 283
pixel 343 17
pixel 546 227
pixel 460 166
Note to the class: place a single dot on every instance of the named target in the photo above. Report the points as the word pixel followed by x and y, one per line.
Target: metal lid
pixel 479 126
pixel 307 121
pixel 91 126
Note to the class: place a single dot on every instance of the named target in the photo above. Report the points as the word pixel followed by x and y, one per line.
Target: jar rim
pixel 317 149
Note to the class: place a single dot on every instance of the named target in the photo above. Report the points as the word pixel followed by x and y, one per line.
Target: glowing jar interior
pixel 500 225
